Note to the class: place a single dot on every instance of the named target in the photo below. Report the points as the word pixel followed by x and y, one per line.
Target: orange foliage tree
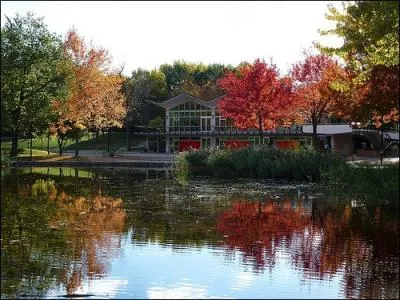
pixel 95 98
pixel 315 90
pixel 255 97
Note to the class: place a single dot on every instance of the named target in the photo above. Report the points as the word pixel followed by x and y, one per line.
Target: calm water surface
pixel 110 233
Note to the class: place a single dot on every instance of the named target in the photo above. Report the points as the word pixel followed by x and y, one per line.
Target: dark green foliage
pixel 266 163
pixel 33 72
pixel 365 182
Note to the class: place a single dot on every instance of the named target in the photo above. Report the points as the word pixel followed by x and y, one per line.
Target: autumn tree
pixel 32 74
pixel 95 99
pixel 255 97
pixel 63 130
pixel 382 94
pixel 370 49
pixel 96 95
pixel 315 90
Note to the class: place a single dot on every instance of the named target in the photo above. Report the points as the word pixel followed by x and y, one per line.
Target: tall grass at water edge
pixel 365 182
pixel 263 163
pixel 332 170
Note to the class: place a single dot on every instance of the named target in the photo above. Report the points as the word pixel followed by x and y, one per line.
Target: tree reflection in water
pixel 258 229
pixel 52 238
pixel 93 226
pixel 333 238
pixel 66 232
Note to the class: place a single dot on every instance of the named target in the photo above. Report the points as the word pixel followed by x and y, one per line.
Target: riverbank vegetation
pixel 303 165
pixel 263 163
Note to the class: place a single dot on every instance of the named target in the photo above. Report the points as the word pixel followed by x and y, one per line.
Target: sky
pixel 146 34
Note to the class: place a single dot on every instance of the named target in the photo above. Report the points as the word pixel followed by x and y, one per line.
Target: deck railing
pixel 218 132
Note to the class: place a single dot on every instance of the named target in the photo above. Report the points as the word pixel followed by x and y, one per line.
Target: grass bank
pixel 88 142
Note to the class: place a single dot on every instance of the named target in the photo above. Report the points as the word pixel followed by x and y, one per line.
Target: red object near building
pixel 287 144
pixel 186 145
pixel 234 144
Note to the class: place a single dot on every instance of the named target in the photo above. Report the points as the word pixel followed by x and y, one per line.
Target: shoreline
pixel 142 160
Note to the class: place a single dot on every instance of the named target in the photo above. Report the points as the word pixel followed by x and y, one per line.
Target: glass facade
pixel 188 117
pixel 194 121
pixel 221 123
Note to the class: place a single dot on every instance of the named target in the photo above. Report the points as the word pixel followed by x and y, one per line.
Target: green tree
pixel 176 75
pixel 140 86
pixel 370 49
pixel 32 74
pixel 370 32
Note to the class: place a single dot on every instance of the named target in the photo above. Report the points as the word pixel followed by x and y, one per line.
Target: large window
pixel 221 123
pixel 186 117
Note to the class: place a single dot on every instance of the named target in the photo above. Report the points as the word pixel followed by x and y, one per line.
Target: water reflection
pixel 260 228
pixel 137 233
pixel 322 239
pixel 56 236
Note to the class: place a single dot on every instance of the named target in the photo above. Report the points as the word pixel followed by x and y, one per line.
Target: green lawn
pixel 88 142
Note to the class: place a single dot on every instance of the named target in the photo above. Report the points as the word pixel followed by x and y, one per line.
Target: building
pixel 191 122
pixel 338 137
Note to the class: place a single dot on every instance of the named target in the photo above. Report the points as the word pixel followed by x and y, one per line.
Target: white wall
pixel 329 129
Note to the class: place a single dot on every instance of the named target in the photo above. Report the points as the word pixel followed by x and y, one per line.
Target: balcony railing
pixel 187 131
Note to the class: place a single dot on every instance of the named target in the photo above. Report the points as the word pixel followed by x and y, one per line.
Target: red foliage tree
pixel 255 97
pixel 381 101
pixel 315 93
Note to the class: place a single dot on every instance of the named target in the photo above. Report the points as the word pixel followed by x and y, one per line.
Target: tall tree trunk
pixel 108 139
pixel 314 135
pixel 14 143
pixel 60 146
pixel 48 144
pixel 260 125
pixel 30 140
pixel 76 147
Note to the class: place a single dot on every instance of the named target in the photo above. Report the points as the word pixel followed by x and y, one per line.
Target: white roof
pixel 329 129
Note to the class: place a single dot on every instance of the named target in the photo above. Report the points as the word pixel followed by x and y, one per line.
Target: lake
pixel 136 233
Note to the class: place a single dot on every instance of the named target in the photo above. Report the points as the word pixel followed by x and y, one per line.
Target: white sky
pixel 147 34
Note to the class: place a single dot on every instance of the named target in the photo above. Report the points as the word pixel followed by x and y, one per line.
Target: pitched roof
pixel 185 97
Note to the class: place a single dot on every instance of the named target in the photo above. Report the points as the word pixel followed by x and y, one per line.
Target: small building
pixel 191 122
pixel 338 137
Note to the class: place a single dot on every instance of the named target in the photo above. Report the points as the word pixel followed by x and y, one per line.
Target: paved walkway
pixel 371 160
pixel 123 156
pixel 96 158
pixel 142 159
